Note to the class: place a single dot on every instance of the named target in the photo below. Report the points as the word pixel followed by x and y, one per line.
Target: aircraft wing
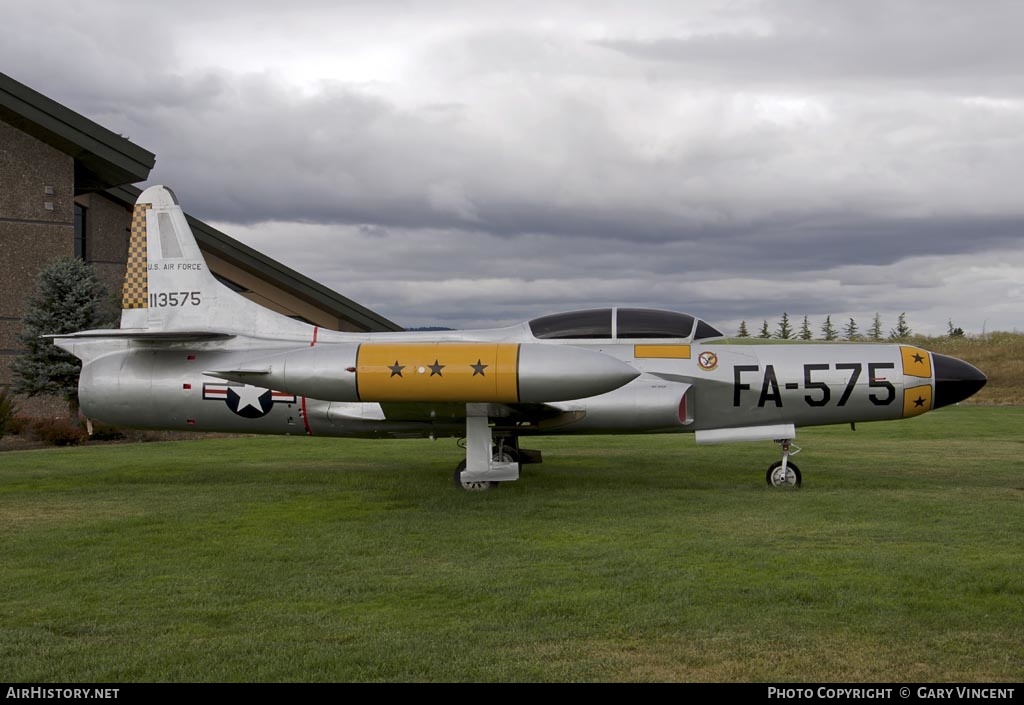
pixel 506 413
pixel 517 417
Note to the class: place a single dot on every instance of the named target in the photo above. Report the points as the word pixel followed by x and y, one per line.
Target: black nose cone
pixel 955 380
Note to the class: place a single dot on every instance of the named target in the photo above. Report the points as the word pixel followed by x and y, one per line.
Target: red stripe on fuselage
pixel 305 418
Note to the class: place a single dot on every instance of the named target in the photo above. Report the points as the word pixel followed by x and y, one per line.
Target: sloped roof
pixel 102 158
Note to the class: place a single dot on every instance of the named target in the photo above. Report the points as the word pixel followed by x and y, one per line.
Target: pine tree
pixel 805 330
pixel 785 330
pixel 743 333
pixel 69 298
pixel 765 333
pixel 828 331
pixel 902 330
pixel 875 331
pixel 850 330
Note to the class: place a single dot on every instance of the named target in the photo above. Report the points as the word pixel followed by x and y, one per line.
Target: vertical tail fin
pixel 168 285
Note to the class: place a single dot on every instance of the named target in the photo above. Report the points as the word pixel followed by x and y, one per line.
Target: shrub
pixel 8 411
pixel 19 425
pixel 59 432
pixel 105 432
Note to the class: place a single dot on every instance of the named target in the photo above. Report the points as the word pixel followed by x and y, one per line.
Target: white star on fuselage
pixel 249 396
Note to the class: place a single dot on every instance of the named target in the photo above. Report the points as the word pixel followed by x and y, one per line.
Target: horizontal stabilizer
pixel 144 334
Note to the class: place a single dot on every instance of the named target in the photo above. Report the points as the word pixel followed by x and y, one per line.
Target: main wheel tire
pixel 475 486
pixel 776 478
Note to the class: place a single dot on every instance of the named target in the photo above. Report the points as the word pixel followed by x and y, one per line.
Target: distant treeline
pixel 785 329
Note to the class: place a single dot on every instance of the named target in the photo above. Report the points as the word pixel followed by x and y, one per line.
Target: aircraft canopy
pixel 621 323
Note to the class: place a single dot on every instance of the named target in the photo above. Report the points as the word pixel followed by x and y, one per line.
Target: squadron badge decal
pixel 707 361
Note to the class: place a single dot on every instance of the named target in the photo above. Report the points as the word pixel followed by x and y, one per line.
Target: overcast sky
pixel 465 163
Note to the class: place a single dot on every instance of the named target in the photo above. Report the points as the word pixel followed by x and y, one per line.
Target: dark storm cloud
pixel 344 157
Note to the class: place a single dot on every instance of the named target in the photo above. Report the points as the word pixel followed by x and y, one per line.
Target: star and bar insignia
pixel 246 400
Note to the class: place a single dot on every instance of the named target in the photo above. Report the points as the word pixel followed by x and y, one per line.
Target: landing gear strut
pixel 783 473
pixel 486 463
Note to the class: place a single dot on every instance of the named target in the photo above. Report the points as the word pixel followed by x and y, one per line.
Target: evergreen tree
pixel 875 331
pixel 902 330
pixel 828 331
pixel 805 330
pixel 69 298
pixel 850 330
pixel 785 330
pixel 8 410
pixel 765 333
pixel 743 333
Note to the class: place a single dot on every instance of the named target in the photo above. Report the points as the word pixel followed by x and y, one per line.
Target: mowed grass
pixel 999 355
pixel 619 558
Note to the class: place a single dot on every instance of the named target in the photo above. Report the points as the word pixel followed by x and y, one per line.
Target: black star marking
pixel 396 369
pixel 435 369
pixel 918 358
pixel 479 367
pixel 919 401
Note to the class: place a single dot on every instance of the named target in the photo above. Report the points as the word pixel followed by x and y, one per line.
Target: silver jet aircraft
pixel 193 355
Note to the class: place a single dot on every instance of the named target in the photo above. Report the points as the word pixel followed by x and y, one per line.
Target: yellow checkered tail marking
pixel 135 292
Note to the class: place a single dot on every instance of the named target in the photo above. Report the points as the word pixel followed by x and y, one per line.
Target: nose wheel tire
pixel 776 477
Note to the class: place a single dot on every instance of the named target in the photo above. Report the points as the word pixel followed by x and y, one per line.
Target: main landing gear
pixel 502 455
pixel 783 473
pixel 487 462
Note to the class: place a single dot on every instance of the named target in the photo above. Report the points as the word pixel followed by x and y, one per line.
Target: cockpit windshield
pixel 651 323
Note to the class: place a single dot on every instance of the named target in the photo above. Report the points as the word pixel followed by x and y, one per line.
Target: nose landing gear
pixel 783 473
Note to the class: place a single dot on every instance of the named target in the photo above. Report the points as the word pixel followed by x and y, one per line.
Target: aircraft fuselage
pixel 683 386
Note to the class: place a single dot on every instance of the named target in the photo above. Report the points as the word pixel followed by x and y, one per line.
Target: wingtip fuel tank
pixel 437 372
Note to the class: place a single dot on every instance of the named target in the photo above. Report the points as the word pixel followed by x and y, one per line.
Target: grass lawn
pixel 619 558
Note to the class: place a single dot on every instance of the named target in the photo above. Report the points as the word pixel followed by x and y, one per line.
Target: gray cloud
pixel 454 165
pixel 919 44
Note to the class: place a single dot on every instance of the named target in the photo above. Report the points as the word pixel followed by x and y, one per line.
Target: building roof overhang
pixel 103 159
